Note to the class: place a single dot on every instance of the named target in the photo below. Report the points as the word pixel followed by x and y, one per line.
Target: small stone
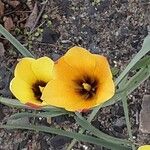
pixel 145 115
pixel 50 36
pixel 45 16
pixel 8 23
pixel 55 56
pixel 59 141
pixel 14 3
pixel 32 17
pixel 36 34
pixel 119 124
pixel 1 8
pixel 2 85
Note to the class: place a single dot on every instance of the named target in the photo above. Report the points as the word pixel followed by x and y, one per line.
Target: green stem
pixel 126 113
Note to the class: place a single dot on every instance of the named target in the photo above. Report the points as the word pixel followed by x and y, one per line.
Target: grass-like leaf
pixel 126 112
pixel 130 86
pixel 40 114
pixel 144 50
pixel 87 126
pixel 15 42
pixel 16 103
pixel 12 102
pixel 90 118
pixel 78 136
pixel 142 63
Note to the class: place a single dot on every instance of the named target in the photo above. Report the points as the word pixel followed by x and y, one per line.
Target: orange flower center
pixel 86 87
pixel 37 89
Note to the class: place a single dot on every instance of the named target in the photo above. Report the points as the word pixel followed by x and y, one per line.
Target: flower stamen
pixel 86 86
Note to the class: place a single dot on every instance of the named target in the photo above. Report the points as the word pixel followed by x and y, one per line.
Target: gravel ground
pixel 114 28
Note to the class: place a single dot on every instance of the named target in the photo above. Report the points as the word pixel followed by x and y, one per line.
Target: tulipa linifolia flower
pixel 30 78
pixel 144 147
pixel 83 80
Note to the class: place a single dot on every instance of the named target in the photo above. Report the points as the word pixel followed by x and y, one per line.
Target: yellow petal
pixel 24 71
pixel 61 94
pixel 64 71
pixel 105 91
pixel 144 147
pixel 103 73
pixel 43 69
pixel 102 68
pixel 80 59
pixel 23 91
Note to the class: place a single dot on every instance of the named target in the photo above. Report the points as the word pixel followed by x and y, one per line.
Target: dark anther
pixel 36 90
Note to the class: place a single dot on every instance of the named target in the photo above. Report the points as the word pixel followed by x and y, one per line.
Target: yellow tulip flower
pixel 144 147
pixel 31 76
pixel 83 80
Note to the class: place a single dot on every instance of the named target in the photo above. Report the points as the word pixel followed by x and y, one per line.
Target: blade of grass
pixel 16 103
pixel 142 75
pixel 80 137
pixel 142 63
pixel 137 79
pixel 15 42
pixel 87 126
pixel 90 118
pixel 144 50
pixel 12 103
pixel 126 112
pixel 42 114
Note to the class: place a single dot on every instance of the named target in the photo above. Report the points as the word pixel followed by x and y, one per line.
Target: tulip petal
pixel 23 91
pixel 43 69
pixel 105 91
pixel 61 94
pixel 144 147
pixel 106 87
pixel 23 70
pixel 64 71
pixel 102 68
pixel 80 59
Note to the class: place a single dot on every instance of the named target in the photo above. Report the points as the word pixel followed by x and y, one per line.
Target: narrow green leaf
pixel 142 63
pixel 145 49
pixel 93 113
pixel 15 42
pixel 87 126
pixel 80 137
pixel 90 118
pixel 122 83
pixel 16 103
pixel 130 86
pixel 126 112
pixel 114 71
pixel 40 114
pixel 137 79
pixel 12 102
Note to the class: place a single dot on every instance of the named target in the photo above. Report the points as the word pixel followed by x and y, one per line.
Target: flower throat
pixel 87 87
pixel 37 90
